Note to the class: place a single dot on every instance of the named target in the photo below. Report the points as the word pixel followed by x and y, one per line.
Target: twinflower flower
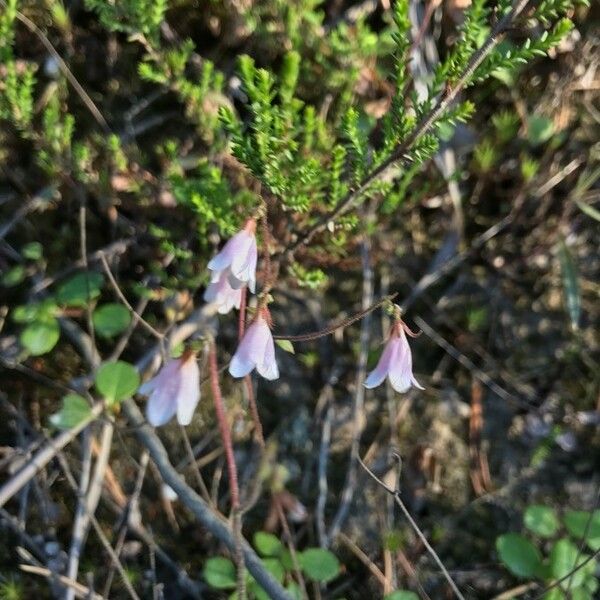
pixel 256 350
pixel 237 259
pixel 395 361
pixel 174 389
pixel 222 294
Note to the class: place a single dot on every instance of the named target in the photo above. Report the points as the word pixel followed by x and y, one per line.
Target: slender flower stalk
pixel 256 350
pixel 234 491
pixel 175 389
pixel 395 362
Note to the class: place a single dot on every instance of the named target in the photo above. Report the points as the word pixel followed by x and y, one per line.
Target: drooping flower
pixel 256 350
pixel 395 361
pixel 238 257
pixel 174 389
pixel 222 294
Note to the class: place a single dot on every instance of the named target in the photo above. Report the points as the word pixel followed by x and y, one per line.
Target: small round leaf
pixel 519 555
pixel 580 523
pixel 564 557
pixel 80 289
pixel 40 336
pixel 319 564
pixel 267 544
pixel 542 520
pixel 75 409
pixel 402 595
pixel 32 251
pixel 220 573
pixel 117 380
pixel 275 568
pixel 13 276
pixel 111 319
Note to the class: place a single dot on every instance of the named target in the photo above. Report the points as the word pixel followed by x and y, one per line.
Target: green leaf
pixel 286 345
pixel 401 595
pixel 36 311
pixel 519 555
pixel 32 251
pixel 293 589
pixel 220 573
pixel 576 522
pixel 80 289
pixel 581 593
pixel 75 409
pixel 554 594
pixel 40 336
pixel 570 279
pixel 542 520
pixel 111 319
pixel 539 129
pixel 274 567
pixel 13 276
pixel 117 380
pixel 590 211
pixel 319 564
pixel 267 544
pixel 563 559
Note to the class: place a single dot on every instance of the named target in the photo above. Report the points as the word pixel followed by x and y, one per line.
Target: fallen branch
pixel 44 456
pixel 216 525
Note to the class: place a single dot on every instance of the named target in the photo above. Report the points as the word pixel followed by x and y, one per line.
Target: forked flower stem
pixel 234 490
pixel 308 337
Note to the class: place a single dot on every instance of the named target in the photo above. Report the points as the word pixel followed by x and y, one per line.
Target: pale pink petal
pixel 188 394
pixel 169 370
pixel 416 383
pixel 267 367
pixel 388 356
pixel 222 294
pixel 242 257
pixel 251 349
pixel 243 268
pixel 400 372
pixel 162 403
pixel 146 388
pixel 233 252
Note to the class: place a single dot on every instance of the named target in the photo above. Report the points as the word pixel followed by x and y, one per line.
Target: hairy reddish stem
pixel 223 426
pixel 307 337
pixel 231 467
pixel 242 317
pixel 258 430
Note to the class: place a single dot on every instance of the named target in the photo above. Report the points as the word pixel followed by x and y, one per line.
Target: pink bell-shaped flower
pixel 256 350
pixel 395 362
pixel 174 389
pixel 238 258
pixel 222 294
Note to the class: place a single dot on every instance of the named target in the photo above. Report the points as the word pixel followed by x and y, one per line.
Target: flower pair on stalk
pixel 232 269
pixel 176 387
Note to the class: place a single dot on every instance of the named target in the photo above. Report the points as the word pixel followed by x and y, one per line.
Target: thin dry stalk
pixel 45 455
pixel 231 466
pixel 88 504
pixel 416 529
pixel 358 417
